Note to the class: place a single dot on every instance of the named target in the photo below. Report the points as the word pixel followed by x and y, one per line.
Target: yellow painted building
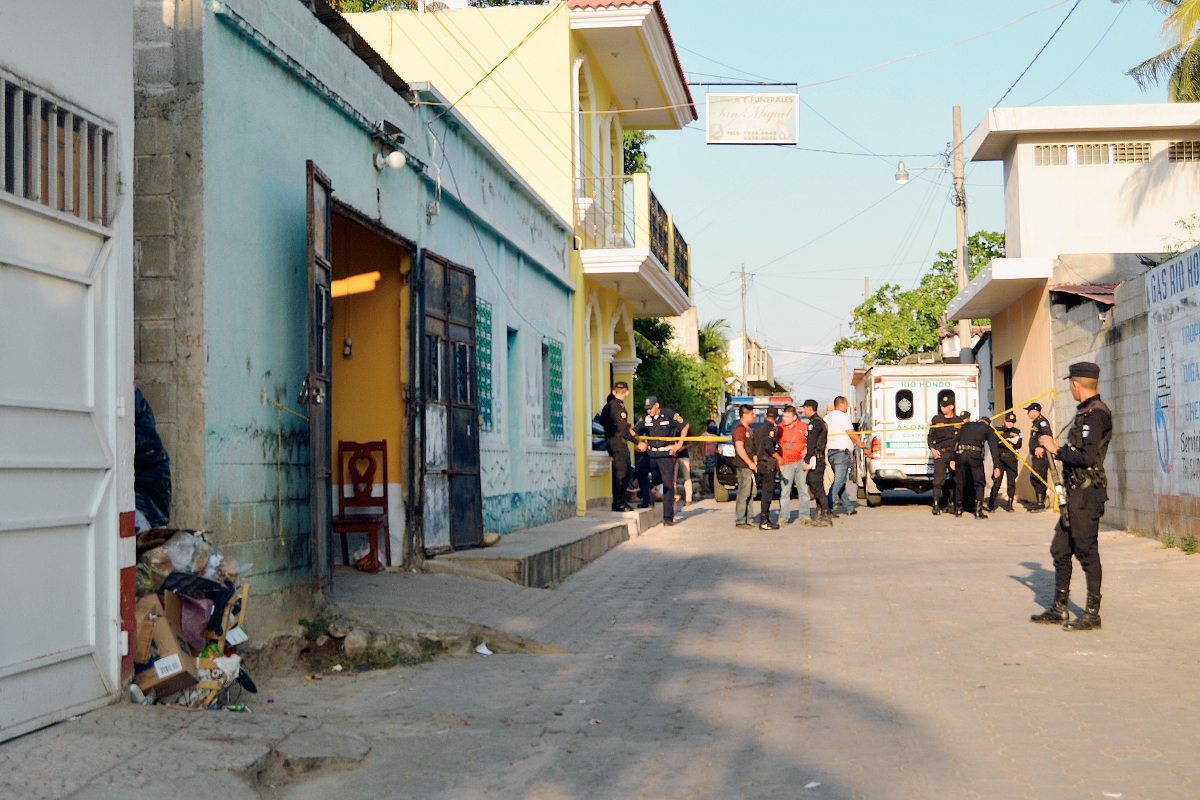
pixel 552 88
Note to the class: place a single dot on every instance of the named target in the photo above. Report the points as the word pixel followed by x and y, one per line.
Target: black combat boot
pixel 937 509
pixel 1056 613
pixel 979 510
pixel 1009 507
pixel 1089 620
pixel 956 507
pixel 991 504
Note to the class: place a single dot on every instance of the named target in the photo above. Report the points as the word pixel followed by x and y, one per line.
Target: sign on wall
pixel 1173 297
pixel 761 118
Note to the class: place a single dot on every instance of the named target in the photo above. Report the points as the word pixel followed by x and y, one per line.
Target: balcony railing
pixel 682 255
pixel 618 211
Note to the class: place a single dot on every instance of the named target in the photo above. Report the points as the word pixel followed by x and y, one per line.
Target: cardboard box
pixel 168 666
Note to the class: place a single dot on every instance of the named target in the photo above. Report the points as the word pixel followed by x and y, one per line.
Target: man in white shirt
pixel 842 437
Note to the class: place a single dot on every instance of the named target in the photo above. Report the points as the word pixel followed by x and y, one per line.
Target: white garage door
pixel 58 519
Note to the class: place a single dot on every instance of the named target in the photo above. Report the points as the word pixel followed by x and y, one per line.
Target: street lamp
pixel 902 172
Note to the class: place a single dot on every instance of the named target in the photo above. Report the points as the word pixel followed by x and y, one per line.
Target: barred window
pixel 483 356
pixel 1056 155
pixel 54 154
pixel 1183 151
pixel 552 388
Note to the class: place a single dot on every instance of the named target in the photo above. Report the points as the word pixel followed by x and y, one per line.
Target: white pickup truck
pixel 895 404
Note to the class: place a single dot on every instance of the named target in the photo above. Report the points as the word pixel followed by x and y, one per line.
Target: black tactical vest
pixel 1093 476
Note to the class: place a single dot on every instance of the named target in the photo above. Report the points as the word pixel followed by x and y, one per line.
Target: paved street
pixel 887 657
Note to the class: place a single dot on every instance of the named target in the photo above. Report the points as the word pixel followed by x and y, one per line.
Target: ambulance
pixel 895 404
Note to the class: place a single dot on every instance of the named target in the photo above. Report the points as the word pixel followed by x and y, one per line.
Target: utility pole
pixel 960 204
pixel 866 288
pixel 745 343
pixel 845 386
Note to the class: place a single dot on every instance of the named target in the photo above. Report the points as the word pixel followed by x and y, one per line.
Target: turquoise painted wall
pixel 261 125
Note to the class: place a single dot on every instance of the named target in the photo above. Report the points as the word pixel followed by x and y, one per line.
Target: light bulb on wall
pixel 394 159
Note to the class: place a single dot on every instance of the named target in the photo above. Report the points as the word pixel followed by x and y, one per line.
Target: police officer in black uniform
pixel 660 454
pixel 1039 426
pixel 1077 532
pixel 763 447
pixel 968 451
pixel 815 459
pixel 1007 461
pixel 943 431
pixel 618 437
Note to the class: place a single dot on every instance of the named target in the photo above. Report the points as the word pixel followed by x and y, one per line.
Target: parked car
pixel 725 488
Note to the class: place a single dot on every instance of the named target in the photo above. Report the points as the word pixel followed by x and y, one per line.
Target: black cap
pixel 772 413
pixel 966 415
pixel 1034 407
pixel 1010 417
pixel 1084 369
pixel 945 398
pixel 985 418
pixel 811 404
pixel 620 385
pixel 651 402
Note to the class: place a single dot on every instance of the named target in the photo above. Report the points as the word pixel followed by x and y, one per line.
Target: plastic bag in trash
pixel 151 466
pixel 189 551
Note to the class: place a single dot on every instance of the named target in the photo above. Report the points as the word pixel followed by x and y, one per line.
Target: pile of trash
pixel 191 614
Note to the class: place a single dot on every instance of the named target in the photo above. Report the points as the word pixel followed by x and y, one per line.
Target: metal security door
pixel 316 385
pixel 61 290
pixel 453 512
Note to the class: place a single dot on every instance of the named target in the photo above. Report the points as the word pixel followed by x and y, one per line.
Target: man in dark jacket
pixel 763 447
pixel 968 454
pixel 814 464
pixel 1086 483
pixel 1039 426
pixel 618 437
pixel 943 431
pixel 1009 439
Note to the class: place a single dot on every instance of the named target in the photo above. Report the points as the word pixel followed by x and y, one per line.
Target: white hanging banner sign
pixel 759 118
pixel 1173 297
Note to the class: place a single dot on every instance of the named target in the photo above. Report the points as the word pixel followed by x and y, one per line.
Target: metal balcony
pixel 629 242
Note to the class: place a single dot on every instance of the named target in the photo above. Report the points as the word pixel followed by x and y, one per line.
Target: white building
pixel 66 365
pixel 752 367
pixel 1092 198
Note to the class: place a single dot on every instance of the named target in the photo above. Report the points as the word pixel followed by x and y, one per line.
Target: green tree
pixel 359 6
pixel 1179 64
pixel 634 143
pixel 690 385
pixel 892 324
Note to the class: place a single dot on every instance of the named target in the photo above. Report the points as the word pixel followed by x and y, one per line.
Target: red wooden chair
pixel 362 510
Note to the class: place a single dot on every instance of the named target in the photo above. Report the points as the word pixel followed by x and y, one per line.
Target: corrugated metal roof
pixel 1100 292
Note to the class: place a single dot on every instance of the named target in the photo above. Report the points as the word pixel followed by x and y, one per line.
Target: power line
pixel 1085 58
pixel 842 224
pixel 867 154
pixel 1036 57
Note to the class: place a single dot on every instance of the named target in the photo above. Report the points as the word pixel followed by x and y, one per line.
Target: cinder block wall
pixel 1117 341
pixel 168 213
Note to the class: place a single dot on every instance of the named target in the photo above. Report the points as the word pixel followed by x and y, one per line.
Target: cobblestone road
pixel 887 657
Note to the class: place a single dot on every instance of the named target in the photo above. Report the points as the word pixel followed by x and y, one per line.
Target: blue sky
pixel 755 204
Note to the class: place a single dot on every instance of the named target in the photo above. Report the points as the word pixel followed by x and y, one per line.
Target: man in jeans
pixel 841 436
pixel 791 437
pixel 747 465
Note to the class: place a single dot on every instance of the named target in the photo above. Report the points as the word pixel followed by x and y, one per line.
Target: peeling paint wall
pixel 223 134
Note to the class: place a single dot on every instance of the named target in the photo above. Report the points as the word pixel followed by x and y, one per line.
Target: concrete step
pixel 639 520
pixel 546 555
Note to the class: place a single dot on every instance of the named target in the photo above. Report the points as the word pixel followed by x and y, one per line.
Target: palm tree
pixel 713 339
pixel 1179 64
